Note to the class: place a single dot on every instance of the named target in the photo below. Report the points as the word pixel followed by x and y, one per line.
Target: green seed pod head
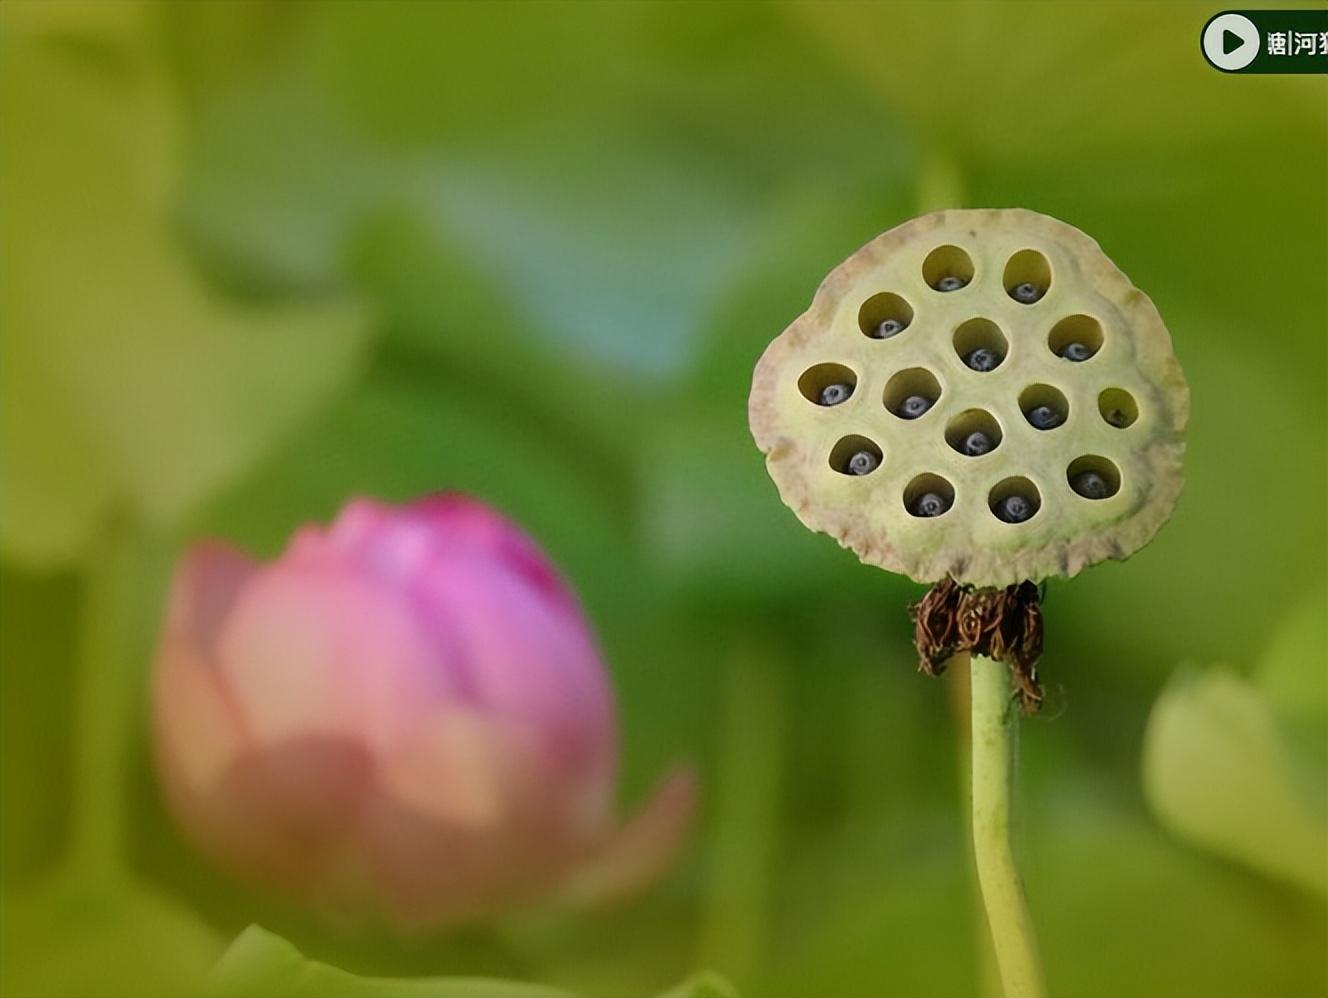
pixel 1090 438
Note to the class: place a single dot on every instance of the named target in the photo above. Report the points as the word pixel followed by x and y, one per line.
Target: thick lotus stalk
pixel 978 399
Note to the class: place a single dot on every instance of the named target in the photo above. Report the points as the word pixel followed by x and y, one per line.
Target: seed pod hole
pixel 1014 500
pixel 856 456
pixel 928 496
pixel 1044 407
pixel 906 388
pixel 1076 338
pixel 884 315
pixel 947 268
pixel 1027 277
pixel 973 433
pixel 816 382
pixel 1117 407
pixel 980 344
pixel 1093 477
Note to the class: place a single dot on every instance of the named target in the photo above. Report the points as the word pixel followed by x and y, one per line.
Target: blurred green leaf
pixel 1219 773
pixel 702 985
pixel 714 526
pixel 1119 910
pixel 617 265
pixel 1292 677
pixel 443 309
pixel 37 648
pixel 1122 911
pixel 713 523
pixel 1291 672
pixel 974 77
pixel 610 215
pixel 260 964
pixel 68 937
pixel 895 922
pixel 125 381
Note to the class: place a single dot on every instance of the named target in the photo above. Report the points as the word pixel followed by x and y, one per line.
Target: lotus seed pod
pixel 1096 482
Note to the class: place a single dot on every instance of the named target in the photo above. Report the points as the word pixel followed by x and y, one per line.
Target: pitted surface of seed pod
pixel 1121 410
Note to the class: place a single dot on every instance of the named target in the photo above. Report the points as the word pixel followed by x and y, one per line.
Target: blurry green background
pixel 260 257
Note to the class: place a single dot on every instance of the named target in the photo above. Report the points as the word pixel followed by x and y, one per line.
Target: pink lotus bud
pixel 405 713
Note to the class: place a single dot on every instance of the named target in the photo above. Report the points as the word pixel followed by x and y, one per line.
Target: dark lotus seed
pixel 1014 509
pixel 1027 293
pixel 1076 352
pixel 913 406
pixel 983 359
pixel 976 444
pixel 886 329
pixel 862 463
pixel 834 394
pixel 950 283
pixel 1117 418
pixel 1044 417
pixel 930 504
pixel 1090 485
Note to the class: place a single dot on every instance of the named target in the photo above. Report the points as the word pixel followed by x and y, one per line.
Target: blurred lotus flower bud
pixel 404 714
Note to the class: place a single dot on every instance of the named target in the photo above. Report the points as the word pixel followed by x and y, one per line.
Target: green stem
pixel 941 186
pixel 940 182
pixel 995 748
pixel 747 797
pixel 120 604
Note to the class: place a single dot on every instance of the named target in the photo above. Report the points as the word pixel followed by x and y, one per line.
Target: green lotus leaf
pixel 74 935
pixel 703 985
pixel 1220 773
pixel 127 383
pixel 977 79
pixel 260 964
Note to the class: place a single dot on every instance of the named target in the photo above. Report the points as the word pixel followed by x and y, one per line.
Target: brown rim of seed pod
pixel 976 398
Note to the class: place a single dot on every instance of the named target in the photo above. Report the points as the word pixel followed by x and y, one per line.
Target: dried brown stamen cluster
pixel 1002 624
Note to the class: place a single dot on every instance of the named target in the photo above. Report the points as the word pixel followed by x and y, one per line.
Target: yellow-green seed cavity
pixel 980 394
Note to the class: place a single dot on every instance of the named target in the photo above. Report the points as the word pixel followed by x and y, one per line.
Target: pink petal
pixel 286 814
pixel 507 630
pixel 204 589
pixel 476 814
pixel 642 850
pixel 462 769
pixel 518 654
pixel 199 733
pixel 319 650
pixel 475 528
pixel 394 542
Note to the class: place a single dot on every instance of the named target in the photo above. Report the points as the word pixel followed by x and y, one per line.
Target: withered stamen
pixel 1002 624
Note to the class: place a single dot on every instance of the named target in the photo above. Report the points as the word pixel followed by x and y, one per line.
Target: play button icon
pixel 1230 42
